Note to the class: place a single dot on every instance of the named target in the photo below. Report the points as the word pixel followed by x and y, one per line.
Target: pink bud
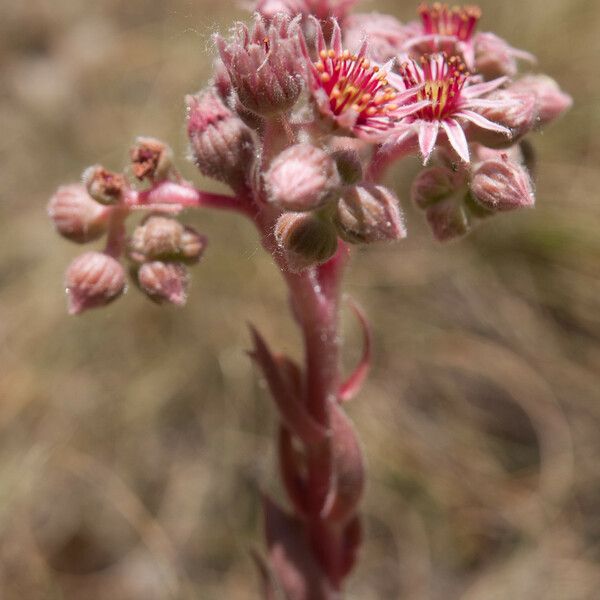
pixel 76 216
pixel 494 57
pixel 221 81
pixel 151 159
pixel 164 238
pixel 306 239
pixel 303 177
pixel 501 185
pixel 269 9
pixel 552 102
pixel 519 114
pixel 264 65
pixel 222 145
pixel 434 184
pixel 348 165
pixel 448 220
pixel 93 279
pixel 104 186
pixel 385 34
pixel 164 282
pixel 369 213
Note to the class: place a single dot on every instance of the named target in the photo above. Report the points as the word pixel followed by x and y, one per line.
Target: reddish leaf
pixel 348 468
pixel 351 542
pixel 352 385
pixel 291 465
pixel 290 557
pixel 292 411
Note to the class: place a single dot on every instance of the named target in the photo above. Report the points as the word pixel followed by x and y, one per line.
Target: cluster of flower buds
pixel 322 197
pixel 159 248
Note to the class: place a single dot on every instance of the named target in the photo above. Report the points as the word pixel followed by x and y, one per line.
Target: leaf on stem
pixel 290 556
pixel 291 463
pixel 348 469
pixel 353 384
pixel 351 542
pixel 293 413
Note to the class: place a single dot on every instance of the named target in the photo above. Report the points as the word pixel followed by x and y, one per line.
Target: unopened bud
pixel 269 9
pixel 434 184
pixel 552 102
pixel 385 33
pixel 221 81
pixel 222 145
pixel 501 185
pixel 264 65
pixel 76 216
pixel 93 279
pixel 369 213
pixel 448 220
pixel 104 186
pixel 306 239
pixel 303 177
pixel 494 57
pixel 519 114
pixel 164 282
pixel 349 166
pixel 164 238
pixel 151 159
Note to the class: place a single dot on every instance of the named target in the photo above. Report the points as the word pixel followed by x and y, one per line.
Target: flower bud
pixel 501 185
pixel 93 279
pixel 103 185
pixel 264 65
pixel 448 220
pixel 151 159
pixel 519 114
pixel 76 216
pixel 306 239
pixel 369 213
pixel 303 177
pixel 164 238
pixel 552 102
pixel 269 9
pixel 221 81
pixel 164 282
pixel 385 33
pixel 349 166
pixel 222 145
pixel 494 57
pixel 434 184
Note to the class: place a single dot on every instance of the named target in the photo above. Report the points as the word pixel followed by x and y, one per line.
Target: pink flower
pixel 451 94
pixel 453 30
pixel 354 92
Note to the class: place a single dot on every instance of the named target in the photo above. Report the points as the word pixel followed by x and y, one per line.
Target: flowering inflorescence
pixel 306 111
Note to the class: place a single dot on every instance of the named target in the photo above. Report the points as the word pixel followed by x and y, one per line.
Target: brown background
pixel 133 440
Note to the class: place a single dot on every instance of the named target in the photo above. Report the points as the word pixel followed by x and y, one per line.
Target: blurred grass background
pixel 134 440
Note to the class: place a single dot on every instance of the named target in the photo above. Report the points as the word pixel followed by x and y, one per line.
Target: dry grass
pixel 133 440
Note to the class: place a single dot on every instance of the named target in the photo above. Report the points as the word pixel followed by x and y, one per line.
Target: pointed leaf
pixel 348 469
pixel 290 556
pixel 292 411
pixel 352 385
pixel 291 465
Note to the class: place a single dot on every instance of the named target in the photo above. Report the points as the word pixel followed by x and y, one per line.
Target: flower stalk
pixel 303 131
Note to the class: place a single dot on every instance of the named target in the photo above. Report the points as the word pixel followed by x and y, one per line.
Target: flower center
pixel 441 79
pixel 352 82
pixel 459 22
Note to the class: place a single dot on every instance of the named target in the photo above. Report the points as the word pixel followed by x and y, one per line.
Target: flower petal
pixel 428 132
pixel 479 89
pixel 336 37
pixel 457 139
pixel 482 122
